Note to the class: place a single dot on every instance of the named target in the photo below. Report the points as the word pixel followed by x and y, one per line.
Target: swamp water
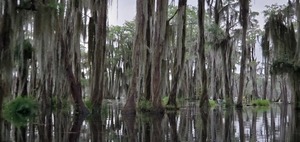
pixel 275 123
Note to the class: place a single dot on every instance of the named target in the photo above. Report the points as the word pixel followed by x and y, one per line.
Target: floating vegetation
pixel 20 110
pixel 260 102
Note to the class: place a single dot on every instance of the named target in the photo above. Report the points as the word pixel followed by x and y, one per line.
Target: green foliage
pixel 64 104
pixel 20 110
pixel 26 48
pixel 84 82
pixel 144 105
pixel 284 43
pixel 199 92
pixel 265 45
pixel 212 103
pixel 262 108
pixel 144 117
pixel 171 107
pixel 260 102
pixel 104 108
pixel 88 104
pixel 214 33
pixel 284 66
pixel 165 100
pixel 55 5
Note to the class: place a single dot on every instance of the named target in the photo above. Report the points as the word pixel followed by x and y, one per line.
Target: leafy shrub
pixel 144 105
pixel 212 103
pixel 62 105
pixel 20 110
pixel 260 102
pixel 88 104
pixel 104 107
pixel 165 100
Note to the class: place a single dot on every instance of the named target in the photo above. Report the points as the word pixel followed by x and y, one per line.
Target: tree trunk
pixel 241 125
pixel 96 128
pixel 226 54
pixel 147 55
pixel 227 63
pixel 74 84
pixel 98 66
pixel 229 130
pixel 296 75
pixel 157 53
pixel 266 80
pixel 295 83
pixel 253 136
pixel 179 53
pixel 201 54
pixel 139 44
pixel 173 125
pixel 244 10
pixel 284 93
pixel 273 85
pixel 75 130
pixel 5 51
pixel 297 55
pixel 253 66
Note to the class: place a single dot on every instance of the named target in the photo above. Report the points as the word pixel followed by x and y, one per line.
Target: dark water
pixel 274 123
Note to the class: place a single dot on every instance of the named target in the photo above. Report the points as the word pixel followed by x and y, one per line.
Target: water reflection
pixel 276 123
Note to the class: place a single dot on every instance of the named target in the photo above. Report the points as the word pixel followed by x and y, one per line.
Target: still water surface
pixel 275 123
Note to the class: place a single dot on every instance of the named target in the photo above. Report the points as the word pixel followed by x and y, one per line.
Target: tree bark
pixel 297 55
pixel 244 10
pixel 201 54
pixel 296 82
pixel 266 80
pixel 98 66
pixel 157 53
pixel 253 66
pixel 241 125
pixel 67 43
pixel 139 44
pixel 179 53
pixel 75 86
pixel 5 48
pixel 253 136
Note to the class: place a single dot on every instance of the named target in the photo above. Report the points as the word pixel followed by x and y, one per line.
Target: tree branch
pixel 172 16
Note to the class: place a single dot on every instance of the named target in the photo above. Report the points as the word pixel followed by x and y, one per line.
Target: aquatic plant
pixel 20 110
pixel 260 102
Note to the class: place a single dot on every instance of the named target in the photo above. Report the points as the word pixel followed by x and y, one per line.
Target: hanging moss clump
pixel 27 48
pixel 20 110
pixel 284 44
pixel 281 67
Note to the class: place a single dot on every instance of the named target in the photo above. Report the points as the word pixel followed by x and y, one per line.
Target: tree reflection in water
pixel 76 127
pixel 172 123
pixel 276 123
pixel 96 128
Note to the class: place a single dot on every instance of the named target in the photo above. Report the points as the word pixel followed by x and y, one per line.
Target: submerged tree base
pixel 172 107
